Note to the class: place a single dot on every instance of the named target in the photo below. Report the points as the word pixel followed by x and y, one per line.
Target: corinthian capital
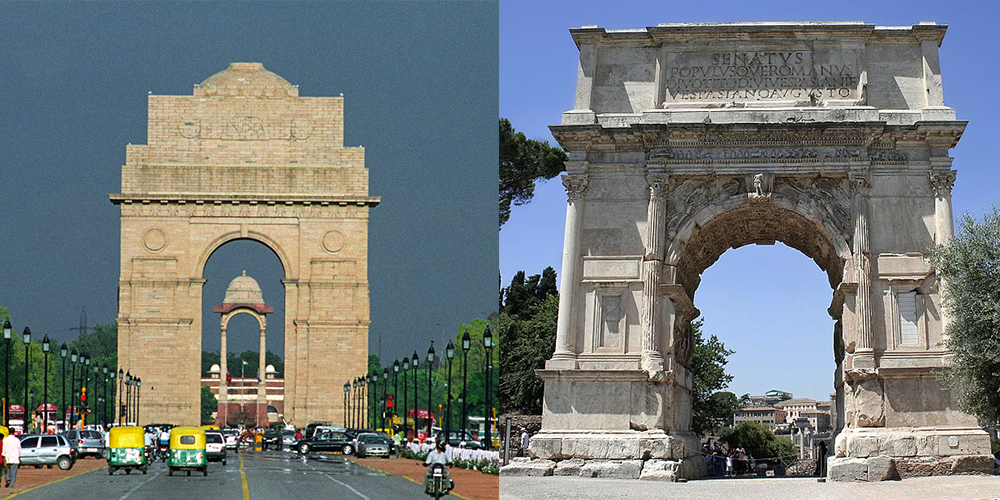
pixel 657 184
pixel 860 183
pixel 942 182
pixel 576 186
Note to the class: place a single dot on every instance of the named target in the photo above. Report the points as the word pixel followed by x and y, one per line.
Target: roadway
pixel 251 475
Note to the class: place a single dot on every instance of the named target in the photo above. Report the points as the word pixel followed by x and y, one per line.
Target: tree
pixel 522 161
pixel 969 266
pixel 758 441
pixel 710 408
pixel 208 405
pixel 527 337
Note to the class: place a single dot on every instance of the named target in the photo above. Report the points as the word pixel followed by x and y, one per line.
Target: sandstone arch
pixel 244 157
pixel 675 157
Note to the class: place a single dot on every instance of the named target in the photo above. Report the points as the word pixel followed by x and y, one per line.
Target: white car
pixel 232 437
pixel 47 449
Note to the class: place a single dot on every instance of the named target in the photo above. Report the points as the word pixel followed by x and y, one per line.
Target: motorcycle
pixel 437 485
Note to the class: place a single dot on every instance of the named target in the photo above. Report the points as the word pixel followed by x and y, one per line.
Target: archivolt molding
pixel 222 239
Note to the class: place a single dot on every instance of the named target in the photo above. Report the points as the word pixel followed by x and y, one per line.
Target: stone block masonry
pixel 244 157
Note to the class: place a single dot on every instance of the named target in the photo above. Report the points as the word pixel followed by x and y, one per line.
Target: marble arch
pixel 687 140
pixel 244 156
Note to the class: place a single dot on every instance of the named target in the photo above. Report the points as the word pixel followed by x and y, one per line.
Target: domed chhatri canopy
pixel 244 291
pixel 246 79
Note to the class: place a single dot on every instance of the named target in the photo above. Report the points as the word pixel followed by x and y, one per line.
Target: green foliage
pixel 527 332
pixel 970 269
pixel 710 408
pixel 522 161
pixel 758 441
pixel 208 405
pixel 374 364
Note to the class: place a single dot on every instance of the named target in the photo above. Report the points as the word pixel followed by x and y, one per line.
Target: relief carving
pixel 942 182
pixel 762 184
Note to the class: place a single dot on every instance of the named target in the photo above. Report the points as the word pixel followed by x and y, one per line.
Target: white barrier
pixel 453 452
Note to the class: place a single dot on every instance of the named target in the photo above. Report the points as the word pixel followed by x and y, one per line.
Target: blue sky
pixel 768 303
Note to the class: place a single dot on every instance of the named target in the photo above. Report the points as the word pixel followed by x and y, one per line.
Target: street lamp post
pixel 27 344
pixel 31 397
pixel 45 385
pixel 138 397
pixel 416 396
pixel 128 398
pixel 84 375
pixel 466 345
pixel 430 364
pixel 6 373
pixel 385 394
pixel 373 400
pixel 363 407
pixel 119 407
pixel 104 415
pixel 488 344
pixel 72 387
pixel 449 352
pixel 354 401
pixel 395 391
pixel 346 388
pixel 360 419
pixel 406 367
pixel 63 351
pixel 97 371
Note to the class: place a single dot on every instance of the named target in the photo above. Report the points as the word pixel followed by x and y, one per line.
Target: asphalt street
pixel 259 475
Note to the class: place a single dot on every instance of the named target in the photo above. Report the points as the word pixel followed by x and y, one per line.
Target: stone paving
pixel 971 487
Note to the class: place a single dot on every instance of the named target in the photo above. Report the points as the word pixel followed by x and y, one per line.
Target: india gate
pixel 244 157
pixel 687 140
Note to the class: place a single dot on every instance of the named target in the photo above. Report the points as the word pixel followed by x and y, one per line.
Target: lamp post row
pixel 76 390
pixel 361 404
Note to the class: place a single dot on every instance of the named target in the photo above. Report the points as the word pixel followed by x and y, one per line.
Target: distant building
pixel 770 398
pixel 767 415
pixel 795 406
pixel 243 397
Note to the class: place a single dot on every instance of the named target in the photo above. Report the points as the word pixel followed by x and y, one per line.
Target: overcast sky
pixel 781 332
pixel 420 87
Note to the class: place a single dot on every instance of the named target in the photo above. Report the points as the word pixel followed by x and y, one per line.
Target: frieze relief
pixel 830 196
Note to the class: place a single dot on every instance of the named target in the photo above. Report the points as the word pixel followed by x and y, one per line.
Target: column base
pixel 879 454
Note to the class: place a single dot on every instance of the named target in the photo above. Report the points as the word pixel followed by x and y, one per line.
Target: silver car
pixel 86 442
pixel 372 445
pixel 46 449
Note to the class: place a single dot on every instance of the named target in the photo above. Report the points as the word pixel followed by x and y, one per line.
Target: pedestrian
pixel 298 435
pixel 729 463
pixel 11 458
pixel 525 441
pixel 397 440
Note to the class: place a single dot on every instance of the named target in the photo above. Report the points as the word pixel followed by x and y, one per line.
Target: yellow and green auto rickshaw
pixel 127 449
pixel 187 450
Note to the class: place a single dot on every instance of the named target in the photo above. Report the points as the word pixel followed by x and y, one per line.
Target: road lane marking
pixel 326 475
pixel 154 476
pixel 53 482
pixel 243 478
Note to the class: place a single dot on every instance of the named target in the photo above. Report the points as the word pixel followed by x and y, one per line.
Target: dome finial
pixel 244 272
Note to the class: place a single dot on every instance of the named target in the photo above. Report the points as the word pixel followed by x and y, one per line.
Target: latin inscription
pixel 737 76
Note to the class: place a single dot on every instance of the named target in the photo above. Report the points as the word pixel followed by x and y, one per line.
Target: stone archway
pixel 244 157
pixel 672 162
pixel 243 296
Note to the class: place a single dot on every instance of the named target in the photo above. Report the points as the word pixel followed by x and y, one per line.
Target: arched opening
pixel 226 262
pixel 768 302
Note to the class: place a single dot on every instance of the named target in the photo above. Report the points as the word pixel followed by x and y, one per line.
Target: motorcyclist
pixel 437 456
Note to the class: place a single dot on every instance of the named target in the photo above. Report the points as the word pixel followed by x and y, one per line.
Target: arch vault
pixel 688 140
pixel 244 157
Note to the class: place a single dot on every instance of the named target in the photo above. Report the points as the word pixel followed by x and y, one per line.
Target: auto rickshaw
pixel 210 427
pixel 127 449
pixel 187 450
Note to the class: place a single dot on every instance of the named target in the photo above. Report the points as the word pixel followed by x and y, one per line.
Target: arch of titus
pixel 244 157
pixel 688 140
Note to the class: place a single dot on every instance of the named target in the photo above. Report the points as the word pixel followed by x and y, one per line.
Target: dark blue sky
pixel 420 82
